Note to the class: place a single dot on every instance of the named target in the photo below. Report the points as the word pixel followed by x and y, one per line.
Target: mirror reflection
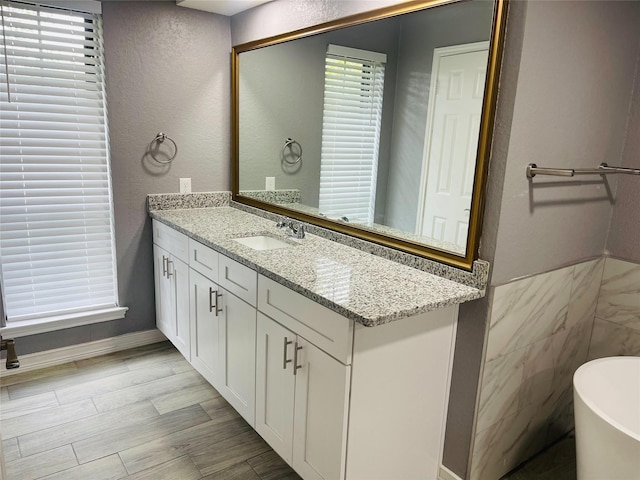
pixel 374 125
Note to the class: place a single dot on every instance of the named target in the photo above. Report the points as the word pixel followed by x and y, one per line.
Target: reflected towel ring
pixel 289 142
pixel 160 138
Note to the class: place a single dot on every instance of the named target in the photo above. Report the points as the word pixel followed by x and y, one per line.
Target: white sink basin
pixel 263 242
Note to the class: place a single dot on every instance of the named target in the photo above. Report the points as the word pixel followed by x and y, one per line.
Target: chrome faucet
pixel 291 229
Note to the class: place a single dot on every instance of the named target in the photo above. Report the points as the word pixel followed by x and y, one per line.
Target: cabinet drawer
pixel 203 259
pixel 325 328
pixel 171 240
pixel 238 279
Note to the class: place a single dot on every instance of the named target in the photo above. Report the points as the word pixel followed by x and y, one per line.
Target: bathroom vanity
pixel 339 359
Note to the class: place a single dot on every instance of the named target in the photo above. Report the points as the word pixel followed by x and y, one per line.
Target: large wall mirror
pixel 377 125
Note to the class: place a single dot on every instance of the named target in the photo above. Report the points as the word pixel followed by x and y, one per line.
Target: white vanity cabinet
pixel 205 327
pixel 223 326
pixel 302 380
pixel 171 275
pixel 337 400
pixel 213 328
pixel 238 354
pixel 301 402
pixel 369 403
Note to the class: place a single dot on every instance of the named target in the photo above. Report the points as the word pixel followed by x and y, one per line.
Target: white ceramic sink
pixel 263 242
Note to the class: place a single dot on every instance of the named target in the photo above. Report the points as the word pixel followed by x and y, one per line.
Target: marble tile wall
pixel 616 329
pixel 539 333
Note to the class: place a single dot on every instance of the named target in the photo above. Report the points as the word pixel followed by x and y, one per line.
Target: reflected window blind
pixel 354 81
pixel 56 231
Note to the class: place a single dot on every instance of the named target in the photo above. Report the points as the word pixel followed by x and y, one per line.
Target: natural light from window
pixel 57 249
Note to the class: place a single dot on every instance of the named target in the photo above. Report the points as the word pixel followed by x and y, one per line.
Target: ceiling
pixel 221 7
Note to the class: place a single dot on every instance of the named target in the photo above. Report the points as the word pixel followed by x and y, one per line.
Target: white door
pixel 451 141
pixel 238 354
pixel 275 386
pixel 320 422
pixel 205 324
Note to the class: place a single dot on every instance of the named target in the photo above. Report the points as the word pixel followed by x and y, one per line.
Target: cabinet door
pixel 178 273
pixel 320 422
pixel 164 297
pixel 205 324
pixel 275 385
pixel 238 354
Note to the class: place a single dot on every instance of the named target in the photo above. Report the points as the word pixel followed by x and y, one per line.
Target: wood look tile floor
pixel 138 414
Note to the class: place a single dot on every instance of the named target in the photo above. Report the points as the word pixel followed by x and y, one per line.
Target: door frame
pixel 438 54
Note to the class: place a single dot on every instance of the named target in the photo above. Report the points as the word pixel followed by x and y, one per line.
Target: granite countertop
pixel 366 288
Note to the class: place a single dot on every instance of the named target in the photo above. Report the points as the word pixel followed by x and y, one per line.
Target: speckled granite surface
pixel 477 278
pixel 376 227
pixel 366 288
pixel 274 196
pixel 170 201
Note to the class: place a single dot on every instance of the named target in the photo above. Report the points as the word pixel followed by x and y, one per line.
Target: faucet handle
pixel 300 231
pixel 282 223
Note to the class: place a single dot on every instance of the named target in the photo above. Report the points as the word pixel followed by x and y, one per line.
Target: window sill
pixel 60 322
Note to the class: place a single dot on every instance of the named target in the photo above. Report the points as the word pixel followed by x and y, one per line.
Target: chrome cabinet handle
pixel 218 296
pixel 296 367
pixel 211 305
pixel 164 266
pixel 169 272
pixel 285 360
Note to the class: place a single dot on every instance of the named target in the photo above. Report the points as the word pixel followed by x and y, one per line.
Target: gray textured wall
pixel 168 69
pixel 473 316
pixel 281 96
pixel 573 94
pixel 420 34
pixel 551 76
pixel 624 232
pixel 282 16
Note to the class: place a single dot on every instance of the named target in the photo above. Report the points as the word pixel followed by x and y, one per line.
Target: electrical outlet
pixel 185 185
pixel 270 183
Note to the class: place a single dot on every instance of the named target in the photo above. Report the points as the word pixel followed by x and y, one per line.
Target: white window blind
pixel 353 91
pixel 56 235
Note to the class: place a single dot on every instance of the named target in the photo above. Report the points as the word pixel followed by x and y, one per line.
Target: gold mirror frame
pixel 484 145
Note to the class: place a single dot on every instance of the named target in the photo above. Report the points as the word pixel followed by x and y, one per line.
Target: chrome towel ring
pixel 289 143
pixel 160 138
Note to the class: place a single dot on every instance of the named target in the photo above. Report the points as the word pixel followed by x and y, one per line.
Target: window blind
pixel 56 225
pixel 352 114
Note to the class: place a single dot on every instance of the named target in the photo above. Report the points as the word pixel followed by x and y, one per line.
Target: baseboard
pixel 445 474
pixel 58 356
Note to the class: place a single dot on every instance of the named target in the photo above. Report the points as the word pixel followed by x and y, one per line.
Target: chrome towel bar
pixel 603 169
